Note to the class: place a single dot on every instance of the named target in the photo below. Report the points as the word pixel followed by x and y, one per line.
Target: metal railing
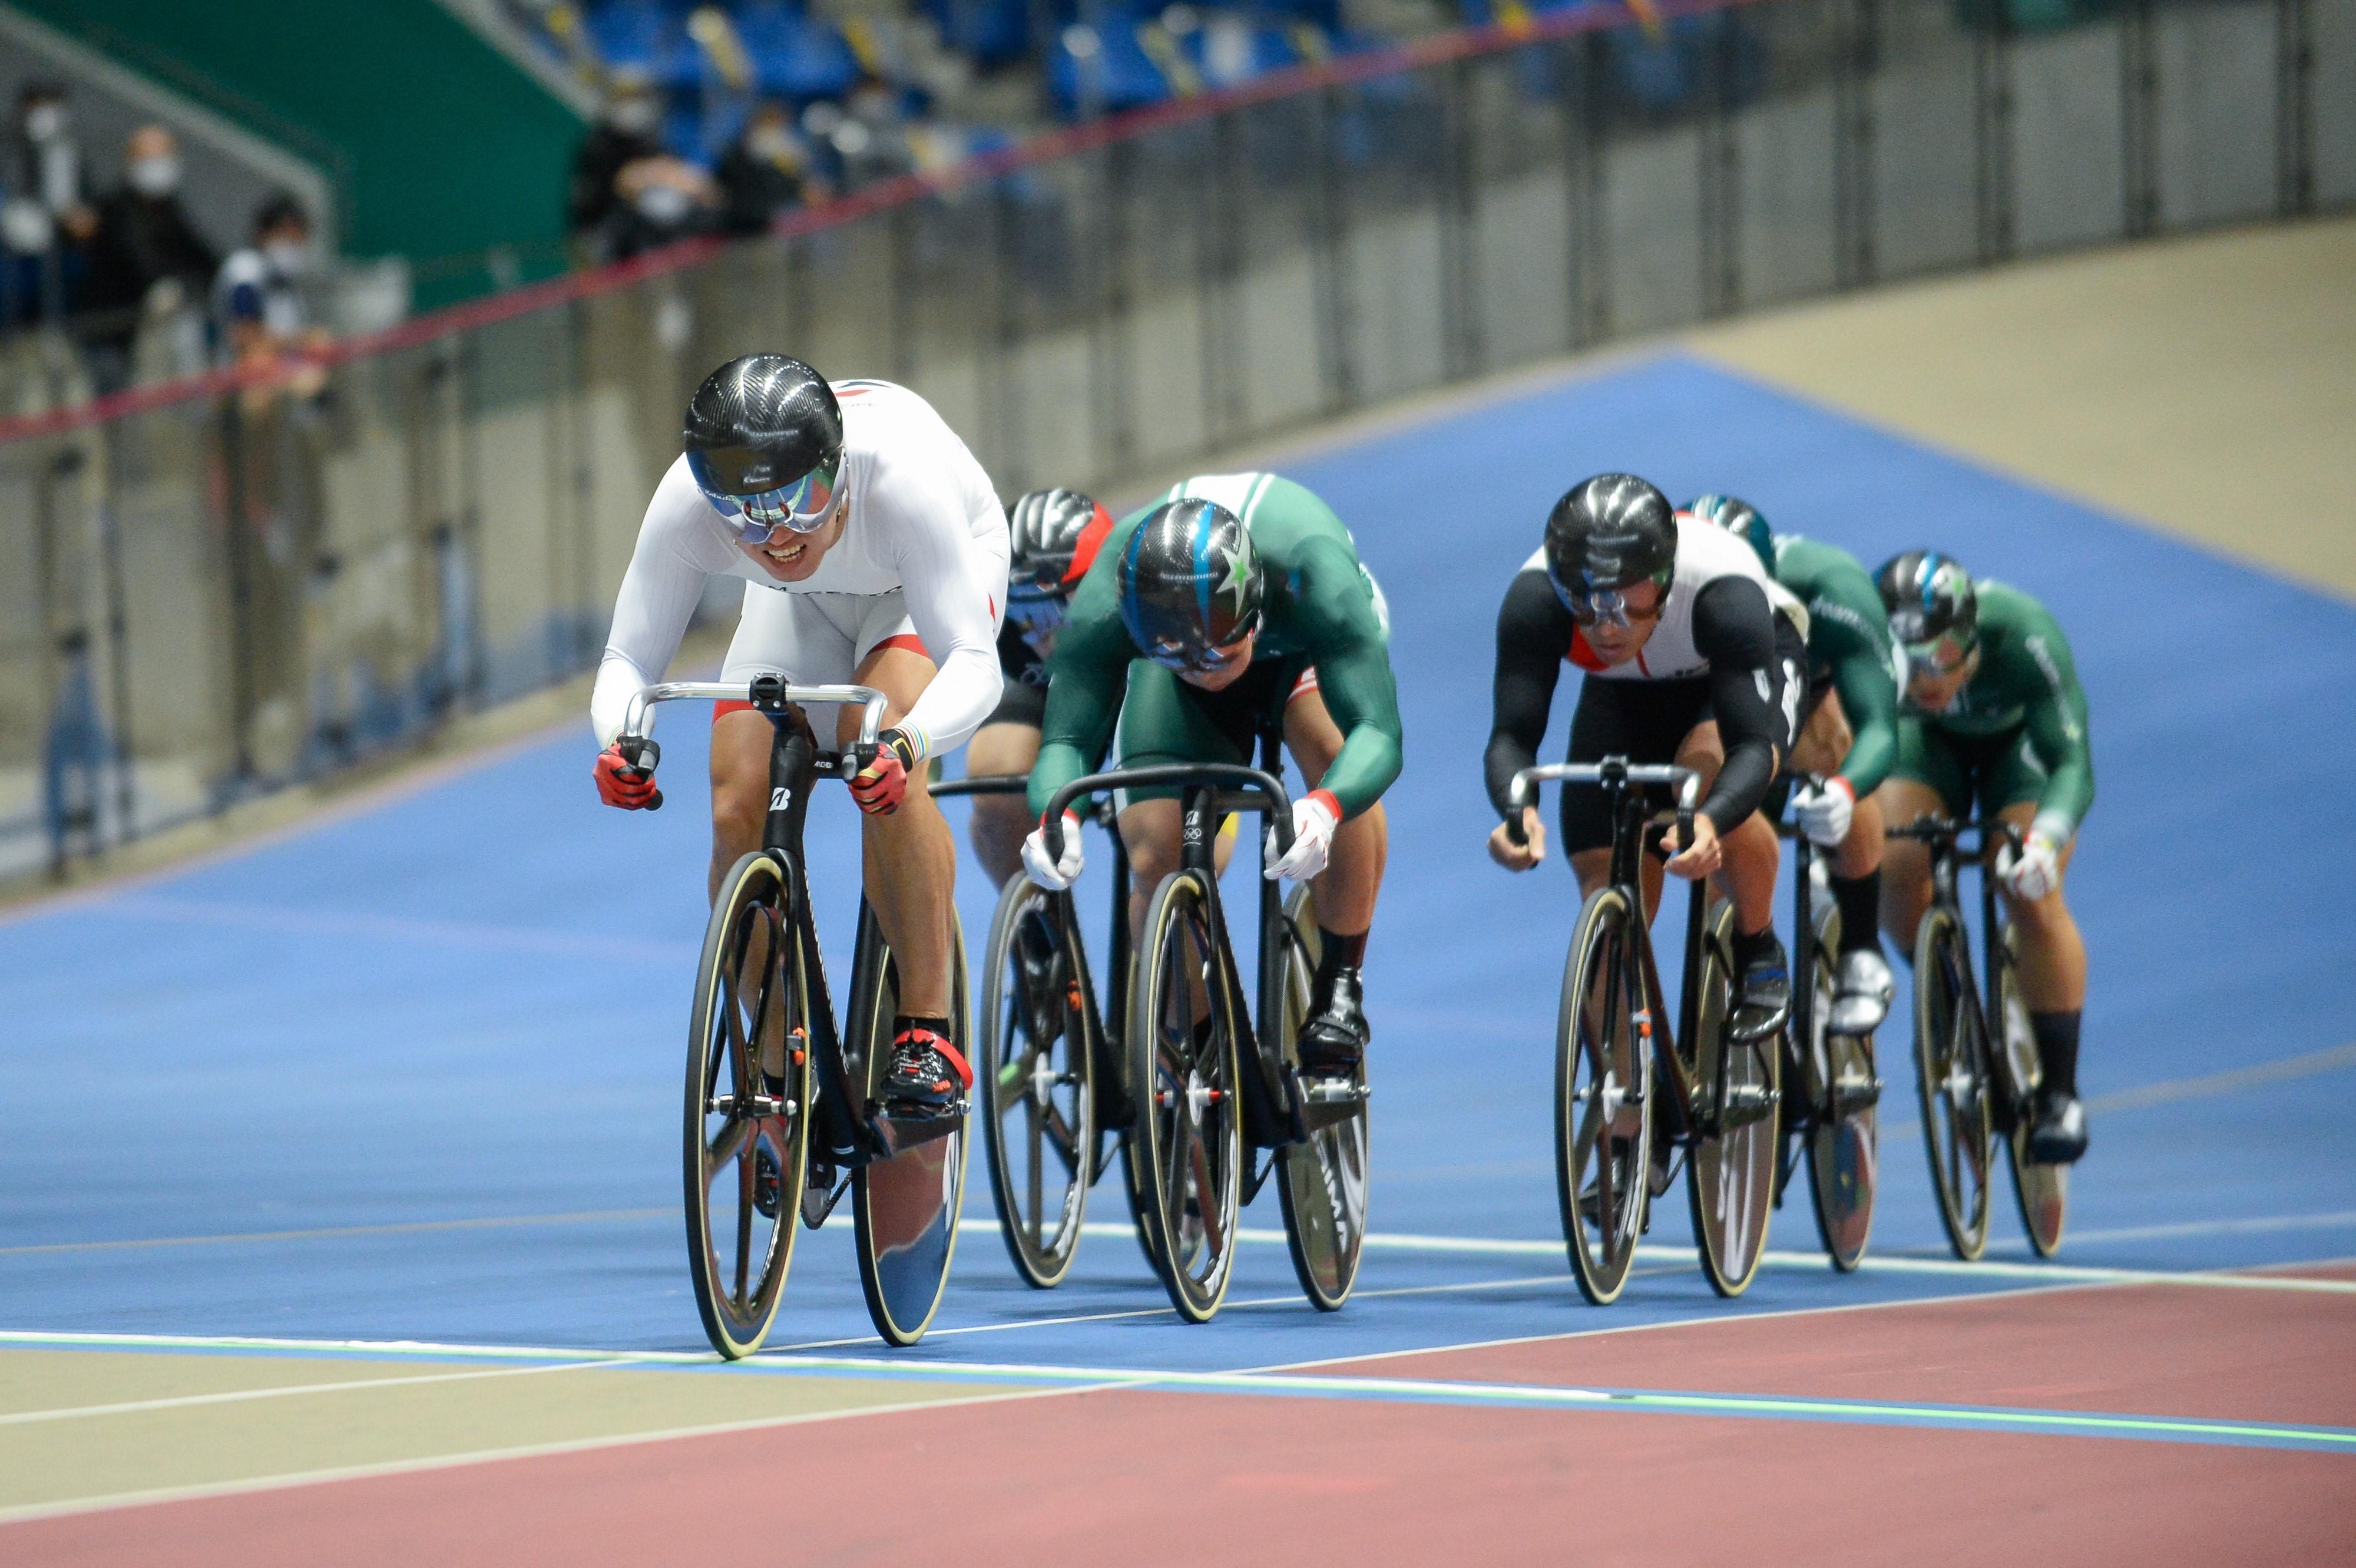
pixel 220 586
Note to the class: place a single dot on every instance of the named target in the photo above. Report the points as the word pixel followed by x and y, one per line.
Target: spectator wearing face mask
pixel 626 134
pixel 258 301
pixel 47 221
pixel 765 171
pixel 147 263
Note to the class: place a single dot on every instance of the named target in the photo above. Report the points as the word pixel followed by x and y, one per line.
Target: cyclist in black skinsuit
pixel 1692 654
pixel 1053 537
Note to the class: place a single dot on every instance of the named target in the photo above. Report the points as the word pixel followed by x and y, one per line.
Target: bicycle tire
pixel 1951 1082
pixel 1602 1092
pixel 2041 1192
pixel 1731 1173
pixel 1035 1067
pixel 738 1300
pixel 1842 1152
pixel 1324 1193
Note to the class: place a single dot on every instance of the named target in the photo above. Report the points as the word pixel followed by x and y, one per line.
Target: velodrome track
pixel 353 1154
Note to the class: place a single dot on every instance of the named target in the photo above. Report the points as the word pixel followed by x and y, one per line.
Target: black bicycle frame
pixel 1943 837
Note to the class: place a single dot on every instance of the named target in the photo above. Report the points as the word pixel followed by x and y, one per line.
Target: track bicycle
pixel 1615 1139
pixel 1977 1084
pixel 1208 1089
pixel 1054 1109
pixel 782 1114
pixel 1830 1086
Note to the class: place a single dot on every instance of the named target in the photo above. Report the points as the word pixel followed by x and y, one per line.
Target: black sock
pixel 1338 953
pixel 2057 1049
pixel 1859 898
pixel 1757 945
pixel 903 1022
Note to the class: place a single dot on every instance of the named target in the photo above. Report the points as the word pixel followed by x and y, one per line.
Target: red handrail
pixel 1438 49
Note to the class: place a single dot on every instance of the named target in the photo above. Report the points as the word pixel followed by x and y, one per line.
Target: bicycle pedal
pixel 1334 1091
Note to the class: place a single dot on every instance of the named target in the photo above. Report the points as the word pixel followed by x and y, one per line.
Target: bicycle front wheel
pixel 747 1106
pixel 1324 1189
pixel 1187 1142
pixel 1951 1073
pixel 1036 1071
pixel 1843 1140
pixel 1730 1179
pixel 1602 1092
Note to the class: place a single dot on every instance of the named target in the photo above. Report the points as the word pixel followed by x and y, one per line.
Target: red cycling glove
pixel 880 787
pixel 621 782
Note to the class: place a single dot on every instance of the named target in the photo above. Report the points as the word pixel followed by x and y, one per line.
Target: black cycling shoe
pixel 926 1073
pixel 1762 992
pixel 1333 1042
pixel 2058 1137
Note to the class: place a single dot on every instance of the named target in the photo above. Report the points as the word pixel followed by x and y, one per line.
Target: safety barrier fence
pixel 218 586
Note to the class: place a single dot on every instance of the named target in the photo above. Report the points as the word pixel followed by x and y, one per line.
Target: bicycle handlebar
pixel 1611 773
pixel 982 784
pixel 1931 827
pixel 765 692
pixel 1272 796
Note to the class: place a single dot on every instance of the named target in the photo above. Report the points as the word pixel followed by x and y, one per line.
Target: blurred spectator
pixel 764 172
pixel 147 263
pixel 258 301
pixel 662 199
pixel 626 134
pixel 45 221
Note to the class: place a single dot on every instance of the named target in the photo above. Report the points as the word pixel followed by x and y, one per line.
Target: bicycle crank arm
pixel 761 1105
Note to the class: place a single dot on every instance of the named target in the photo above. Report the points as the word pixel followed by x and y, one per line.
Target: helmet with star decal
pixel 1191 583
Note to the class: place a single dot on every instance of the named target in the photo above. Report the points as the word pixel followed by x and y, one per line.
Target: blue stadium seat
pixel 991 32
pixel 646 36
pixel 1118 75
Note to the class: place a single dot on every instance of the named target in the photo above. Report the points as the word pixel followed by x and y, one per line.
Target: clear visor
pixel 1607 606
pixel 801 507
pixel 1940 655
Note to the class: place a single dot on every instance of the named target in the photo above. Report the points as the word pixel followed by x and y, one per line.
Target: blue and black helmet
pixel 1933 610
pixel 1191 583
pixel 1739 518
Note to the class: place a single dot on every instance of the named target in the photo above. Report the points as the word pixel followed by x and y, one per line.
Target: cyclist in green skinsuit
pixel 1993 716
pixel 1849 738
pixel 1207 611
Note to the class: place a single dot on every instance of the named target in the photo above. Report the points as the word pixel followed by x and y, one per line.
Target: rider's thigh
pixel 1148 832
pixel 1905 863
pixel 1311 733
pixel 1824 740
pixel 740 771
pixel 901 674
pixel 2021 814
pixel 1000 748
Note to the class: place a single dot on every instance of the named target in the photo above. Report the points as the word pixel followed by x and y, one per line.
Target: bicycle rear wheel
pixel 1843 1147
pixel 2041 1191
pixel 906 1206
pixel 1325 1186
pixel 1187 1142
pixel 1950 1079
pixel 747 1127
pixel 1602 1090
pixel 1730 1177
pixel 1036 1069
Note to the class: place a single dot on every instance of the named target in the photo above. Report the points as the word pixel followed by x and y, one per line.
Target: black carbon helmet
pixel 1610 532
pixel 1929 597
pixel 1191 583
pixel 1052 539
pixel 763 437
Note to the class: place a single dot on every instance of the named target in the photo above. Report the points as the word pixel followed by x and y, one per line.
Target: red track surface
pixel 1127 1478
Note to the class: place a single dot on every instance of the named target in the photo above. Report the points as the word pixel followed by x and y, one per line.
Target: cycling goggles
pixel 1940 656
pixel 801 507
pixel 1606 604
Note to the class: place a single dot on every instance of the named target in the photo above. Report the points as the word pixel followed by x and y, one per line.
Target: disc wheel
pixel 1602 1086
pixel 1843 1146
pixel 1325 1186
pixel 1730 1179
pixel 906 1206
pixel 2041 1191
pixel 1951 1079
pixel 747 1124
pixel 1036 1073
pixel 1188 1140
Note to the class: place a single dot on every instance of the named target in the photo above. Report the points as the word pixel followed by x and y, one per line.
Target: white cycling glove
pixel 2036 870
pixel 1823 811
pixel 1314 817
pixel 1053 875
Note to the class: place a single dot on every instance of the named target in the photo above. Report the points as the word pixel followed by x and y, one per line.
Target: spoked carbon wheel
pixel 1188 1140
pixel 1036 1074
pixel 1730 1179
pixel 908 1205
pixel 1325 1186
pixel 747 1101
pixel 1602 1086
pixel 2041 1191
pixel 1950 1079
pixel 1842 1148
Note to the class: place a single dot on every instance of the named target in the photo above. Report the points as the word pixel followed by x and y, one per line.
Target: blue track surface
pixel 468 1005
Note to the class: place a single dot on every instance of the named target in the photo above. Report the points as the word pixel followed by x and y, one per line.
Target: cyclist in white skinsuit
pixel 874 550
